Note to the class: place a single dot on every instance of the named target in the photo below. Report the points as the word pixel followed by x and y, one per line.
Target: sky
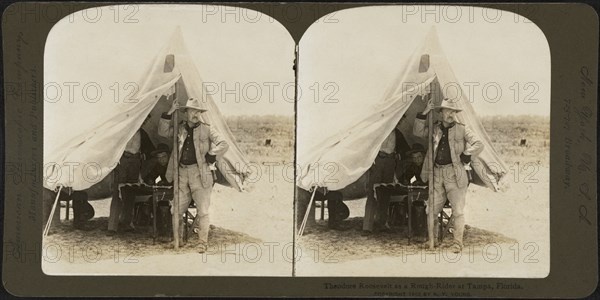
pixel 246 56
pixel 359 51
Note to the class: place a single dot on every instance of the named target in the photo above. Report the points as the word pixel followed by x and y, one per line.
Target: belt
pixel 127 154
pixel 443 166
pixel 382 154
pixel 187 166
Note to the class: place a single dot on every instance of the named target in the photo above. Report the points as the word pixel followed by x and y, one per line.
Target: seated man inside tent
pixel 382 171
pixel 411 167
pixel 154 169
pixel 408 172
pixel 153 173
pixel 128 172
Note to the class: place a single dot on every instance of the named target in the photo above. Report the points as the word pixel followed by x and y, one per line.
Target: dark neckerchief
pixel 189 129
pixel 446 128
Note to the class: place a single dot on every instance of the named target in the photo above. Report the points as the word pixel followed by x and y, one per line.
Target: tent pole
pixel 176 216
pixel 47 228
pixel 430 216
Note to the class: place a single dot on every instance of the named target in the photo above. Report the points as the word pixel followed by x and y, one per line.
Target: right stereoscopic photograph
pixel 427 150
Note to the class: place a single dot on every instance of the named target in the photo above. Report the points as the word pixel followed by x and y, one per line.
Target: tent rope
pixel 304 221
pixel 49 222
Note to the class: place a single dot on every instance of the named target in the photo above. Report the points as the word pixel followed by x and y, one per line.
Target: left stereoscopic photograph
pixel 168 142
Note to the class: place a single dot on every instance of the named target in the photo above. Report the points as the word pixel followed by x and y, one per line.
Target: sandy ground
pixel 251 235
pixel 508 235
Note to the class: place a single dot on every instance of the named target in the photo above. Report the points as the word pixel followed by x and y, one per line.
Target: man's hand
pixel 210 158
pixel 174 107
pixel 429 107
pixel 465 159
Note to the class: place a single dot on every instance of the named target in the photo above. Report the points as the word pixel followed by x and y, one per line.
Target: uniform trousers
pixel 191 188
pixel 445 187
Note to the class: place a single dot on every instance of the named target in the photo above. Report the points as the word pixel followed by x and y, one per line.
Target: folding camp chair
pixel 321 200
pixel 445 220
pixel 322 204
pixel 189 221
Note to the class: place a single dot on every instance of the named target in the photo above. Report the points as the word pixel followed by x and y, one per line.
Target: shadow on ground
pixel 97 245
pixel 351 244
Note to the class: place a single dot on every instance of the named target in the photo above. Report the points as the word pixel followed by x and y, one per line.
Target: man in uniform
pixel 128 171
pixel 382 171
pixel 453 146
pixel 199 145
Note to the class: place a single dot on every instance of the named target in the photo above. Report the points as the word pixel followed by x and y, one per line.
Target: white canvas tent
pixel 85 158
pixel 344 157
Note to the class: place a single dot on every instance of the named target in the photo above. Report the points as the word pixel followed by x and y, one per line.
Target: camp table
pixel 163 193
pixel 410 192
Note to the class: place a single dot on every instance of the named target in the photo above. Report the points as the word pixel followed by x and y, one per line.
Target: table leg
pixel 409 207
pixel 186 217
pixel 442 227
pixel 154 202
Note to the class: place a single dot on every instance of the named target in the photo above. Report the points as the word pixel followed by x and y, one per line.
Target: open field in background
pixel 506 133
pixel 252 132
